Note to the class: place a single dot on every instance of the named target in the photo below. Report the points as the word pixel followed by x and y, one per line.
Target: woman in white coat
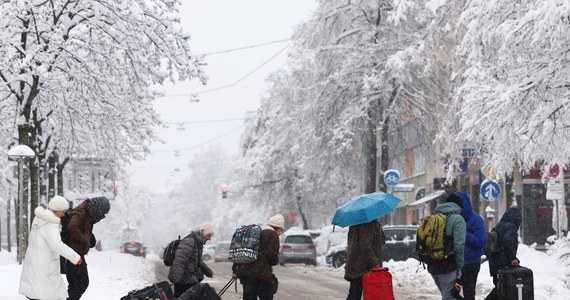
pixel 41 278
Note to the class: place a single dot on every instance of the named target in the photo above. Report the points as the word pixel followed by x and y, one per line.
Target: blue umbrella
pixel 365 208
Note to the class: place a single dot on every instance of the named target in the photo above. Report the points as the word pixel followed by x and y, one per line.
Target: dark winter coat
pixel 268 256
pixel 364 249
pixel 476 234
pixel 188 266
pixel 508 240
pixel 78 231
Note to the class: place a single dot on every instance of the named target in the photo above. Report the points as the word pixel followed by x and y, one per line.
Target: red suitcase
pixel 377 285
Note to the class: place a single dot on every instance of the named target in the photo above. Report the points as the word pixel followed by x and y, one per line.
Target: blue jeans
pixel 355 290
pixel 445 283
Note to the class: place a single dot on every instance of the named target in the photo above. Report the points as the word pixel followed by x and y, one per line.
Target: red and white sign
pixel 554 170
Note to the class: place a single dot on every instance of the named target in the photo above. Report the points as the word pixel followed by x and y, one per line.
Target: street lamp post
pixel 20 153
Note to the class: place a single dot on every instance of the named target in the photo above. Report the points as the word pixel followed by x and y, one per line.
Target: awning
pixel 427 198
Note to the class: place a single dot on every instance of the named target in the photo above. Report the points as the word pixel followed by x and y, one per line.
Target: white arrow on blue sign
pixel 391 178
pixel 490 190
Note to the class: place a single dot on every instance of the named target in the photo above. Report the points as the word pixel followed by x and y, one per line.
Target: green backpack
pixel 431 242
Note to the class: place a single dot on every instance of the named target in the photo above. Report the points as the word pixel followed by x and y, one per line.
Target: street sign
pixel 490 190
pixel 554 170
pixel 391 178
pixel 554 190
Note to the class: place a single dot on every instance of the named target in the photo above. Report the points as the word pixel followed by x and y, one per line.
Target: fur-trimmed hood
pixel 44 216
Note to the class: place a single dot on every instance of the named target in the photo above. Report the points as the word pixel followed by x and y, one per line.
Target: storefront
pixel 539 214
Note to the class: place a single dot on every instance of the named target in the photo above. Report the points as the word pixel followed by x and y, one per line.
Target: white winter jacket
pixel 41 278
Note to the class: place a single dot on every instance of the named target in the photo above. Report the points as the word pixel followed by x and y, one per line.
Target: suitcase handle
pixel 380 269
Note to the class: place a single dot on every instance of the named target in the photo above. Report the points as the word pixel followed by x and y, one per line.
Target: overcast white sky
pixel 217 26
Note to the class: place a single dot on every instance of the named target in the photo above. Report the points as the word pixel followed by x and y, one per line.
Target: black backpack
pixel 170 252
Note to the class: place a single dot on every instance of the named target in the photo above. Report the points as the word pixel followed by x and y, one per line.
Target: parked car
pixel 297 247
pixel 222 251
pixel 134 248
pixel 336 256
pixel 209 252
pixel 400 245
pixel 330 236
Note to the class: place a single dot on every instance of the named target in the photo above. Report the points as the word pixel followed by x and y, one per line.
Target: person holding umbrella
pixel 363 253
pixel 365 236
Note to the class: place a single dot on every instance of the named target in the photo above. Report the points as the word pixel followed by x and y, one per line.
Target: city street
pixel 296 281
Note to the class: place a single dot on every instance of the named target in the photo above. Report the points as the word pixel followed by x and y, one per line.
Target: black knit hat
pixel 455 199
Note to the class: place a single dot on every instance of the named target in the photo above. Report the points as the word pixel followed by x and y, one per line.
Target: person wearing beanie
pixel 363 252
pixel 257 277
pixel 77 233
pixel 41 278
pixel 446 273
pixel 475 240
pixel 188 267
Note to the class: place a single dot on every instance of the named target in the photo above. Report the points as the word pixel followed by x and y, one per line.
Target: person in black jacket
pixel 508 243
pixel 188 268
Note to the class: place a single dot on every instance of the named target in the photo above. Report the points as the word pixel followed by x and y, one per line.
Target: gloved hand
pixel 79 262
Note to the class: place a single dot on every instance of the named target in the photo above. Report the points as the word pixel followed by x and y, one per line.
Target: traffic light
pixel 224 191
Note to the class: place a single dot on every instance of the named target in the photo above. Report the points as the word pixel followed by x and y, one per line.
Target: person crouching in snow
pixel 41 278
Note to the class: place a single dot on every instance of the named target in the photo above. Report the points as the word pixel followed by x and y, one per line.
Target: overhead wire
pixel 234 83
pixel 206 121
pixel 243 48
pixel 205 142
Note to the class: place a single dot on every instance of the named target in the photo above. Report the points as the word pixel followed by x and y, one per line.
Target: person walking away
pixel 188 268
pixel 363 252
pixel 257 277
pixel 77 233
pixel 475 240
pixel 446 273
pixel 508 243
pixel 41 278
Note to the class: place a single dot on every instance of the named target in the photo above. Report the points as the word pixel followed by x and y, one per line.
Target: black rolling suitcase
pixel 157 291
pixel 203 291
pixel 515 283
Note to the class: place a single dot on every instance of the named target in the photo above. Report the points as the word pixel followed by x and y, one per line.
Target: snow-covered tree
pixel 513 87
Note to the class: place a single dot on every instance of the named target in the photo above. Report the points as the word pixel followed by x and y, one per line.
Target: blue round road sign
pixel 391 178
pixel 490 190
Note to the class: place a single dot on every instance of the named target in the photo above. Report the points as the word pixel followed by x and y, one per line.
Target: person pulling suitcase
pixel 503 278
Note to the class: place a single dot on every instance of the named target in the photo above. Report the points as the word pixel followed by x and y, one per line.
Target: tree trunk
pixel 23 194
pixel 60 167
pixel 384 157
pixel 8 217
pixel 43 183
pixel 52 171
pixel 302 214
pixel 369 149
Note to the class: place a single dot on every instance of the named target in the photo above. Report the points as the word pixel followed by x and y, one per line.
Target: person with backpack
pixel 363 253
pixel 77 233
pixel 41 278
pixel 257 277
pixel 446 272
pixel 188 268
pixel 475 240
pixel 507 238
